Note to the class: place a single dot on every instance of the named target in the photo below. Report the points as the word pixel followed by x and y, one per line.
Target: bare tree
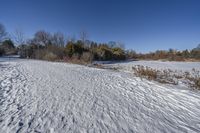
pixel 19 37
pixel 3 32
pixel 83 36
pixel 71 38
pixel 42 38
pixel 121 45
pixel 58 39
pixel 118 44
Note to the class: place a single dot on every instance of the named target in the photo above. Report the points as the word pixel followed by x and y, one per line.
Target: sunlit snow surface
pixel 40 96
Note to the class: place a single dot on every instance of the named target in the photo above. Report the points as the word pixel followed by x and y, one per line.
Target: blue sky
pixel 142 25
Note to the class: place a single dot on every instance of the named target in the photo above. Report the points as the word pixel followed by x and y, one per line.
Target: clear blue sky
pixel 143 25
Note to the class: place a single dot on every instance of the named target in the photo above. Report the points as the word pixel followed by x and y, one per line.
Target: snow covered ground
pixel 40 96
pixel 159 65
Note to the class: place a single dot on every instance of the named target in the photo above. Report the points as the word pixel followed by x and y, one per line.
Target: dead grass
pixel 50 57
pixel 146 72
pixel 194 78
pixel 153 74
pixel 191 79
pixel 77 60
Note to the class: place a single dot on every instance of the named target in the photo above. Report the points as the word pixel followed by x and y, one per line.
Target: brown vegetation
pixel 167 55
pixel 53 47
pixel 153 74
pixel 168 76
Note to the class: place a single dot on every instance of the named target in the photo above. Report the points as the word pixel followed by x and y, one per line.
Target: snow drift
pixel 40 96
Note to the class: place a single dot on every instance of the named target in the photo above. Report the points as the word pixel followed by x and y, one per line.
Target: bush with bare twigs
pixel 191 79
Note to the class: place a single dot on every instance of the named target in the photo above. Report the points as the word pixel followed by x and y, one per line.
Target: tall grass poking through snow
pixel 191 79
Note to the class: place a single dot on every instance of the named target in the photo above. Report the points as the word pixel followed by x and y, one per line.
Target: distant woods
pixel 167 55
pixel 55 47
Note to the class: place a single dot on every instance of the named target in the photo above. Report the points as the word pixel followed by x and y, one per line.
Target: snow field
pixel 40 96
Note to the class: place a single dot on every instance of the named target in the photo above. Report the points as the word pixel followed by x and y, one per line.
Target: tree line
pixel 48 46
pixel 54 46
pixel 170 55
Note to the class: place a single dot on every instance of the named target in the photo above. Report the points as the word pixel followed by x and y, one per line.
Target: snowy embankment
pixel 39 96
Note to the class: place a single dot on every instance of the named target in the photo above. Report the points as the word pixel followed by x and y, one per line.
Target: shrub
pixel 147 72
pixel 191 79
pixel 50 57
pixel 87 57
pixel 69 49
pixel 39 54
pixel 118 54
pixel 194 78
pixel 29 51
pixel 157 75
pixel 58 51
pixel 104 53
pixel 8 47
pixel 197 83
pixel 8 44
pixel 2 51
